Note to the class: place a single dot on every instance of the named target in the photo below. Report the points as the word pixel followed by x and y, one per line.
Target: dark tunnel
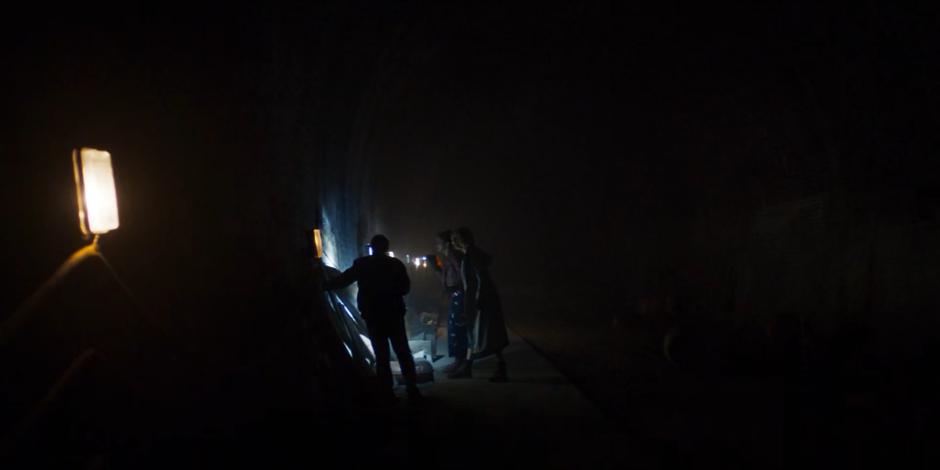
pixel 714 230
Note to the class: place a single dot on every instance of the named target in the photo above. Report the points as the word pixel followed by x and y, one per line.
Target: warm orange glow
pixel 97 198
pixel 318 242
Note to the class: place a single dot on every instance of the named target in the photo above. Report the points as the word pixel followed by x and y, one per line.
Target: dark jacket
pixel 482 305
pixel 383 281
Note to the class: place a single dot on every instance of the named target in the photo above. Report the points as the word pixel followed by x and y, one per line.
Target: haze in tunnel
pixel 717 222
pixel 502 123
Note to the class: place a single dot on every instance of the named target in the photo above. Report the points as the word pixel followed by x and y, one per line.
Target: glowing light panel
pixel 94 184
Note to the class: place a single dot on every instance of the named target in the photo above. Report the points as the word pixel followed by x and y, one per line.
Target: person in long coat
pixel 483 311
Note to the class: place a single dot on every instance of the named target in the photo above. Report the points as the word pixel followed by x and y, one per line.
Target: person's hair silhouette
pixel 379 244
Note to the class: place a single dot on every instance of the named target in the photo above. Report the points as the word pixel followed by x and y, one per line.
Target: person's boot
pixel 414 395
pixel 387 399
pixel 453 365
pixel 462 372
pixel 500 375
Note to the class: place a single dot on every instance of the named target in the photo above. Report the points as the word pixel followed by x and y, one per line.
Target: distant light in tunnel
pixel 391 253
pixel 417 262
pixel 94 185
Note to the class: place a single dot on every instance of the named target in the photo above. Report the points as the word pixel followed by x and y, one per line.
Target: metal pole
pixel 10 326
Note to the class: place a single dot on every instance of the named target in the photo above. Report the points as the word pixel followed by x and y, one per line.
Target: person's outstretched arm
pixel 348 277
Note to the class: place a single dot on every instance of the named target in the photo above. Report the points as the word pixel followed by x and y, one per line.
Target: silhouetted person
pixel 383 281
pixel 449 270
pixel 483 310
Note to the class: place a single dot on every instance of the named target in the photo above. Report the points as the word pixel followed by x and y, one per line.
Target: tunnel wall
pixel 639 169
pixel 233 132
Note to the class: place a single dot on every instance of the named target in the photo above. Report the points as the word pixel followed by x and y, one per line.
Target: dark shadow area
pixel 718 223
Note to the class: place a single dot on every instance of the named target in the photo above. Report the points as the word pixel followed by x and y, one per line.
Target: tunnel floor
pixel 537 418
